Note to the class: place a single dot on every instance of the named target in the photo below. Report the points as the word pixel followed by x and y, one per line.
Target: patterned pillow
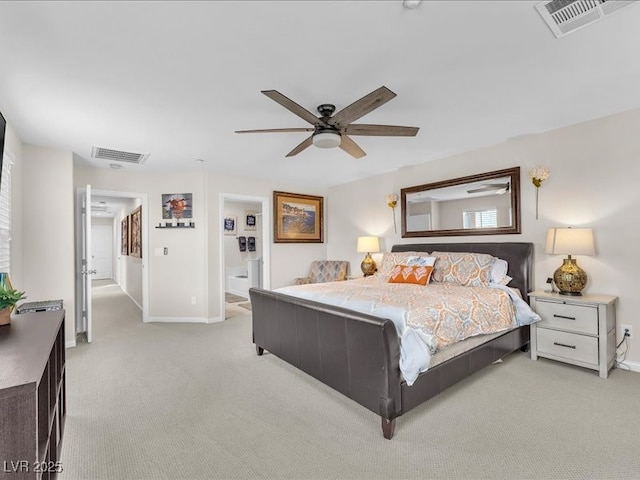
pixel 461 268
pixel 418 275
pixel 391 259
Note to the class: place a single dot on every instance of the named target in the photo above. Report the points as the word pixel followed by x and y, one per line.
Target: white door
pixel 102 251
pixel 87 264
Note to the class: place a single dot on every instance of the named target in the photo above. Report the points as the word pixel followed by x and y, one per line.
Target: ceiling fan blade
pixel 380 130
pixel 351 147
pixel 272 130
pixel 361 107
pixel 292 106
pixel 304 144
pixel 490 187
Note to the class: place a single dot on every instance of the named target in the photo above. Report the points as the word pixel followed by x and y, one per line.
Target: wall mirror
pixel 483 204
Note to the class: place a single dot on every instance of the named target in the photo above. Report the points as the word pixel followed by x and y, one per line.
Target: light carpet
pixel 178 401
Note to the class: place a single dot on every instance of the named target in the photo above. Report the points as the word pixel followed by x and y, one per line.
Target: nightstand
pixel 580 330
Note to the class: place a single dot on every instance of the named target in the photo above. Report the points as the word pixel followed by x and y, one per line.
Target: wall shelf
pixel 176 226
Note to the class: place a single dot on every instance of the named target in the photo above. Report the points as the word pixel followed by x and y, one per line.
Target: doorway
pixel 244 250
pixel 99 237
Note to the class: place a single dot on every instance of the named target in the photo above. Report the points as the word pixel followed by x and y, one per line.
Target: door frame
pixel 144 198
pixel 265 271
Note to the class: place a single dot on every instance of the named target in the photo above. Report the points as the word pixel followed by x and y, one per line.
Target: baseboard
pixel 70 344
pixel 632 366
pixel 178 320
pixel 132 299
pixel 185 320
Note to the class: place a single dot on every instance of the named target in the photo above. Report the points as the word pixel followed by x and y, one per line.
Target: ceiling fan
pixel 331 130
pixel 497 188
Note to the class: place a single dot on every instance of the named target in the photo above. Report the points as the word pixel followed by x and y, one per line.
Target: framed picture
pixel 124 236
pixel 135 225
pixel 297 218
pixel 177 205
pixel 229 224
pixel 250 221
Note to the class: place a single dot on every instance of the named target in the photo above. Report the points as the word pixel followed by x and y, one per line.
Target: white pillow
pixel 499 271
pixel 417 261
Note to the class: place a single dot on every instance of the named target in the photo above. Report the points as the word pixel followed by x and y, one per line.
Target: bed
pixel 358 354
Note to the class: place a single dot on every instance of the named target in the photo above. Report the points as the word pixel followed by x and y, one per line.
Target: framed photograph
pixel 250 221
pixel 177 205
pixel 230 225
pixel 135 225
pixel 124 236
pixel 297 218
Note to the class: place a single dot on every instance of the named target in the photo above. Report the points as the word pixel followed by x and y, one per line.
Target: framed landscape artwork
pixel 124 236
pixel 297 218
pixel 135 225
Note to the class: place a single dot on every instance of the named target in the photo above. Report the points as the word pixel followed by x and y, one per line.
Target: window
pixel 5 215
pixel 480 218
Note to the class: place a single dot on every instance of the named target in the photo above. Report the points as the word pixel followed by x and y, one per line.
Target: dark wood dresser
pixel 32 395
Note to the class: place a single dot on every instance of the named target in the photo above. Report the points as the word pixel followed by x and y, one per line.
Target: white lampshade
pixel 570 241
pixel 326 139
pixel 368 245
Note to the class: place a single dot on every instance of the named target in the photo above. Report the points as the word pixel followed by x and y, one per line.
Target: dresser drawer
pixel 568 345
pixel 573 318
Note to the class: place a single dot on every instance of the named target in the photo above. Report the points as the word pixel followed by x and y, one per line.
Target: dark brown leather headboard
pixel 519 256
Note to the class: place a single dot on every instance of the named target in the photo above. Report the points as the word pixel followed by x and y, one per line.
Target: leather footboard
pixel 356 354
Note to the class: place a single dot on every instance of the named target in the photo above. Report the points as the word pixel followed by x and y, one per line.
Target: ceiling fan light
pixel 411 3
pixel 327 139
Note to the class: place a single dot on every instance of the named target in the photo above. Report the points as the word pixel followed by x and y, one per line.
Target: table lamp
pixel 569 277
pixel 368 245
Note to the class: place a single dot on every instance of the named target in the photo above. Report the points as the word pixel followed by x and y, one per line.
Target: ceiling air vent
pixel 118 155
pixel 566 16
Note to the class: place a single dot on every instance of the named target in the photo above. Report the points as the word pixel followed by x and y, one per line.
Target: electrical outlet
pixel 624 327
pixel 193 300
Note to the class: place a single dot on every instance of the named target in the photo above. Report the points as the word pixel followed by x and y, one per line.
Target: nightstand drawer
pixel 573 318
pixel 568 345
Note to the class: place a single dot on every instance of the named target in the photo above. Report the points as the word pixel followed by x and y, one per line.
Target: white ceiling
pixel 175 79
pixel 106 206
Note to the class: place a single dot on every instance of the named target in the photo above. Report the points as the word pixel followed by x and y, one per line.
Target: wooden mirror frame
pixel 513 173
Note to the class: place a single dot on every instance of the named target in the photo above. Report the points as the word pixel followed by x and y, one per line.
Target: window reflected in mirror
pixel 480 204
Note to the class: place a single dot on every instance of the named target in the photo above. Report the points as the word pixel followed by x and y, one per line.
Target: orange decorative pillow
pixel 410 274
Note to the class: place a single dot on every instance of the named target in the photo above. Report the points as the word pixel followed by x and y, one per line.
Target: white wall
pixel 594 167
pixel 48 229
pixel 192 267
pixel 130 267
pixel 233 257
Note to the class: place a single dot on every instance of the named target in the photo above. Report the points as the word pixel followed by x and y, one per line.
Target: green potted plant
pixel 8 299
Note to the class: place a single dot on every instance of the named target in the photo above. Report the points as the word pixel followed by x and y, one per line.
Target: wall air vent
pixel 118 155
pixel 566 16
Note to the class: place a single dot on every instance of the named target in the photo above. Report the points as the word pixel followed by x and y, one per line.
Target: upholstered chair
pixel 325 271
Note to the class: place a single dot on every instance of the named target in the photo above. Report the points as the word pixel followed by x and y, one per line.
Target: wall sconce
pixel 392 201
pixel 368 245
pixel 537 176
pixel 569 277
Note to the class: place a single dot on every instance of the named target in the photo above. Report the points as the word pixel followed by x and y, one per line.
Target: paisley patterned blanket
pixel 427 318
